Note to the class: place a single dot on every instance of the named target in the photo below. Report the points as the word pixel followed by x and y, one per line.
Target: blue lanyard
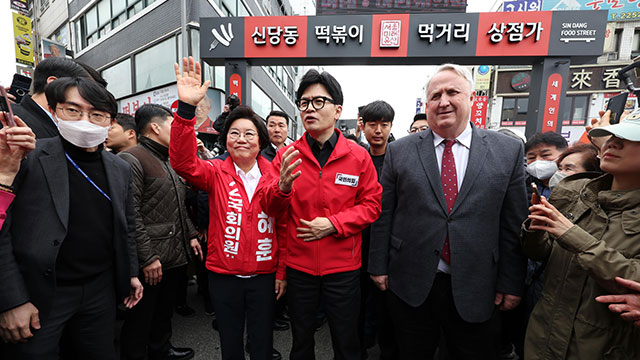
pixel 86 176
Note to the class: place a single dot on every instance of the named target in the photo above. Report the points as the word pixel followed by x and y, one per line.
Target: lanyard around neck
pixel 86 176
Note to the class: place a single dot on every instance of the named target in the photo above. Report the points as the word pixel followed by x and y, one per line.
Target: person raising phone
pixel 15 143
pixel 588 232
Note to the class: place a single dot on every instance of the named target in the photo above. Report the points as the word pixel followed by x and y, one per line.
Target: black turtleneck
pixel 88 249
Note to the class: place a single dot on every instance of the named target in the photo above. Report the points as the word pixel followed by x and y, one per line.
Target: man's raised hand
pixel 287 174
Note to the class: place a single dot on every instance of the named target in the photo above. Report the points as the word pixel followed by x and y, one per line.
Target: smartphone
pixel 20 86
pixel 616 105
pixel 536 192
pixel 5 106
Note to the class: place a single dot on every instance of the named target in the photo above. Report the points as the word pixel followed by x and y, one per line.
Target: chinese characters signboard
pixel 332 7
pixel 416 38
pixel 582 79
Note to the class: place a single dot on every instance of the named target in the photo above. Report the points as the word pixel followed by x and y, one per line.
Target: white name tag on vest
pixel 348 180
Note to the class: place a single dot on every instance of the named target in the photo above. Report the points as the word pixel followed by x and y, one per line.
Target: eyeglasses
pixel 248 135
pixel 95 116
pixel 414 130
pixel 317 103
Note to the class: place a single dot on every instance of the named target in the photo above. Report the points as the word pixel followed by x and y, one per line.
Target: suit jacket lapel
pixel 477 157
pixel 54 166
pixel 427 155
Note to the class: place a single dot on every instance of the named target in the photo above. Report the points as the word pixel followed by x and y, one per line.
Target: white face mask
pixel 556 178
pixel 82 133
pixel 542 169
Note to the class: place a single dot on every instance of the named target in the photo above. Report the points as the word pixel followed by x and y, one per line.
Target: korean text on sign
pixel 516 31
pixel 338 33
pixel 275 35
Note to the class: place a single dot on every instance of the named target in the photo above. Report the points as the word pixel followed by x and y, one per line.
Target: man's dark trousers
pixel 81 310
pixel 340 294
pixel 148 324
pixel 418 329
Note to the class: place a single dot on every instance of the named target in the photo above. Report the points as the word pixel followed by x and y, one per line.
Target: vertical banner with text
pixel 479 111
pixel 23 40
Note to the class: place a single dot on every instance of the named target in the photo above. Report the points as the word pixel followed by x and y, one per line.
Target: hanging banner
pixel 20 5
pixel 23 40
pixel 482 77
pixel 479 111
pixel 619 10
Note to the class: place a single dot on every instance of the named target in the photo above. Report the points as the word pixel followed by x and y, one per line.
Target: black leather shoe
pixel 280 325
pixel 275 354
pixel 214 324
pixel 175 353
pixel 186 311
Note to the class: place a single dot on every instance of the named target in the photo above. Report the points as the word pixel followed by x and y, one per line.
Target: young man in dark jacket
pixel 165 237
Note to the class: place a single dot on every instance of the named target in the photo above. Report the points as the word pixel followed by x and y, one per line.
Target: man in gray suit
pixel 450 255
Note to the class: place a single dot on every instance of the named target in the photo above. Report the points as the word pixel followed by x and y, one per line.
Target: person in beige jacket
pixel 589 234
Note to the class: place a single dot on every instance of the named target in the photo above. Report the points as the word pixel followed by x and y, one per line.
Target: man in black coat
pixel 67 248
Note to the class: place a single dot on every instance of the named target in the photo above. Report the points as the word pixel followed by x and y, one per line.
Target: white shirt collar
pixel 254 173
pixel 463 139
pixel 46 111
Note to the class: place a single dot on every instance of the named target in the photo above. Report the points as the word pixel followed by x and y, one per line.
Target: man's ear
pixel 338 112
pixel 51 79
pixel 131 134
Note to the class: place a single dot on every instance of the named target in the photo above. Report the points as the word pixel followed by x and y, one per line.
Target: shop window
pixel 575 110
pixel 635 45
pixel 153 66
pixel 119 78
pixel 260 102
pixel 514 112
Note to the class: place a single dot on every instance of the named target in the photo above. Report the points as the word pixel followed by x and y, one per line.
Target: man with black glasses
pixel 337 197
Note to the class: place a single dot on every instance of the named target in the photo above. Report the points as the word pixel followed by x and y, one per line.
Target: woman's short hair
pixel 590 160
pixel 245 112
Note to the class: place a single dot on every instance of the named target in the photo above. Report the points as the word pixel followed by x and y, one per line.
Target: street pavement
pixel 196 332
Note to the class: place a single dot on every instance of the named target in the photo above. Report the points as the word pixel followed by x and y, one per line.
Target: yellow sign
pixel 483 77
pixel 23 39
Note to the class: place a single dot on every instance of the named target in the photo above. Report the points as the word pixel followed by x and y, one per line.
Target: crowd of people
pixel 453 242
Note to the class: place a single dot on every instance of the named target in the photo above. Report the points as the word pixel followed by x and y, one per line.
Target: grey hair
pixel 460 70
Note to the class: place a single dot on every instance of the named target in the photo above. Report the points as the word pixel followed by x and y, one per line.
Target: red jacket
pixel 345 190
pixel 242 237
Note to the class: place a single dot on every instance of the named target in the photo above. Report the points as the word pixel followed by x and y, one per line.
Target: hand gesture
pixel 315 229
pixel 546 217
pixel 190 90
pixel 627 305
pixel 286 170
pixel 281 288
pixel 16 324
pixel 135 294
pixel 506 301
pixel 153 273
pixel 381 281
pixel 195 246
pixel 15 143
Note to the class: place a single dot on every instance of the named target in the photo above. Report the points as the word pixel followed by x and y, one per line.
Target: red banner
pixel 552 103
pixel 479 111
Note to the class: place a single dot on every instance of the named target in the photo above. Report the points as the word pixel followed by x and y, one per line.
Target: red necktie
pixel 449 179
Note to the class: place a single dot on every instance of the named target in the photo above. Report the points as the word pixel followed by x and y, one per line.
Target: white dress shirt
pixel 460 150
pixel 249 179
